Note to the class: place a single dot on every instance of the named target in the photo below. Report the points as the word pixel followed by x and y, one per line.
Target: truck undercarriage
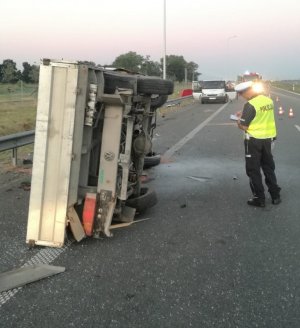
pixel 93 130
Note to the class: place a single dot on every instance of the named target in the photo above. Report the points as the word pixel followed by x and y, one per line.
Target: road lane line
pixel 297 127
pixel 170 152
pixel 44 256
pixel 294 93
pixel 221 124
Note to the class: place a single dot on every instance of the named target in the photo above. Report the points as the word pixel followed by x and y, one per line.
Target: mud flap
pixel 89 211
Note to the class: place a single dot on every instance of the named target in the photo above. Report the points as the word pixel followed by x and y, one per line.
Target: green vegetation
pixel 10 74
pixel 17 91
pixel 17 107
pixel 293 86
pixel 6 156
pixel 18 103
pixel 178 87
pixel 176 66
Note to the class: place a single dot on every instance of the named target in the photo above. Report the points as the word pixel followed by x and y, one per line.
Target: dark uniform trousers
pixel 259 157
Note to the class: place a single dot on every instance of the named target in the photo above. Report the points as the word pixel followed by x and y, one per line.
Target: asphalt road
pixel 204 259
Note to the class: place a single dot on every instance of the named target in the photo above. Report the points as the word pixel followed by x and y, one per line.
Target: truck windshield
pixel 213 84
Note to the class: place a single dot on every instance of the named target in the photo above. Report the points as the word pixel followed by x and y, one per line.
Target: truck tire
pixel 113 80
pixel 144 84
pixel 151 159
pixel 153 85
pixel 158 101
pixel 147 199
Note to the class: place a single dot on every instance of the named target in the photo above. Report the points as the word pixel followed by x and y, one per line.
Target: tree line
pixel 177 68
pixel 10 74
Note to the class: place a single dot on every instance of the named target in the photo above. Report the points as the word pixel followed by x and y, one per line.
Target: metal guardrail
pixel 14 141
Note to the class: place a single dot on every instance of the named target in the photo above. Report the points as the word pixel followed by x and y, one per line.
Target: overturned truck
pixel 93 130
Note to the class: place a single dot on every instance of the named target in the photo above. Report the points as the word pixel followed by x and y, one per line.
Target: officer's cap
pixel 241 87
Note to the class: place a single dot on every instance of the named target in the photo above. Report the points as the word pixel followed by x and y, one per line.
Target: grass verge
pixel 287 85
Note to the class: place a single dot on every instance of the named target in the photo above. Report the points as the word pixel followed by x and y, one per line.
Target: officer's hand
pixel 238 114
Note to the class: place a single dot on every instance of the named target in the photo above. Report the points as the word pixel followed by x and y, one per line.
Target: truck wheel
pixel 153 85
pixel 147 199
pixel 144 84
pixel 158 101
pixel 151 159
pixel 114 80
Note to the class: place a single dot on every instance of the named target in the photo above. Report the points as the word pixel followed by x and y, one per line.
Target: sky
pixel 224 37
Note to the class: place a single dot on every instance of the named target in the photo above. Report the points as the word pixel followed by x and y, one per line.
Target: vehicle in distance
pixel 260 86
pixel 249 76
pixel 214 91
pixel 197 89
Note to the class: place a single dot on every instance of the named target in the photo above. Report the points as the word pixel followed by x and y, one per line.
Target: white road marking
pixel 294 93
pixel 222 124
pixel 170 152
pixel 297 127
pixel 44 256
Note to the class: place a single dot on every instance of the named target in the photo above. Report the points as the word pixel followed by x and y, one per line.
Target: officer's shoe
pixel 258 202
pixel 276 201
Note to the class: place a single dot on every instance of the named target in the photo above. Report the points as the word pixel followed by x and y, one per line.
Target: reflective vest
pixel 263 125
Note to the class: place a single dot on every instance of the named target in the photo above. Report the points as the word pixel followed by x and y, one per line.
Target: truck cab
pixel 261 86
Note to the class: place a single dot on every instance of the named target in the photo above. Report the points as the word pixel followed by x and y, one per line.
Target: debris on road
pixel 126 224
pixel 75 224
pixel 201 179
pixel 27 162
pixel 25 185
pixel 175 103
pixel 27 274
pixel 145 178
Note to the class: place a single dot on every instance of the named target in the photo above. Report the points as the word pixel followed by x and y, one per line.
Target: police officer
pixel 258 123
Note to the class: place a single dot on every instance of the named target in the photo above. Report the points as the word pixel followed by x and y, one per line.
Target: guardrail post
pixel 14 156
pixel 13 141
